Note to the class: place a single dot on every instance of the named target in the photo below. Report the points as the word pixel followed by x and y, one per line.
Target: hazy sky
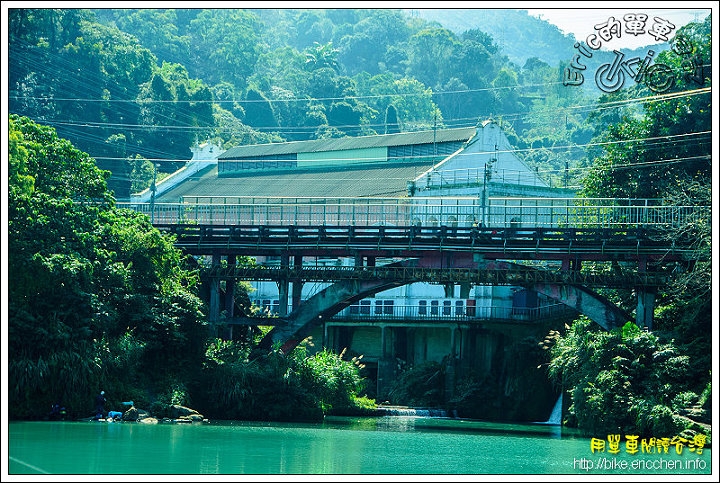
pixel 580 22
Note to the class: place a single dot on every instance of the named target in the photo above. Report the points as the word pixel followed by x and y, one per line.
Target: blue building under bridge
pixel 448 179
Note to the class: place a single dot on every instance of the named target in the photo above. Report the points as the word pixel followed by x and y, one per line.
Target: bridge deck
pixel 409 241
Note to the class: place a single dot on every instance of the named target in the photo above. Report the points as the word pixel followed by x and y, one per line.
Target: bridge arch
pixel 328 302
pixel 324 304
pixel 596 307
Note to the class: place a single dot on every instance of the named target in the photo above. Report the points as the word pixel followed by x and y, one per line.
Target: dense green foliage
pixel 279 387
pixel 647 150
pixel 99 299
pixel 129 84
pixel 627 381
pixel 512 31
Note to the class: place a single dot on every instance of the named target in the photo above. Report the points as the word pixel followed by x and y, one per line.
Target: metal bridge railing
pixel 458 312
pixel 427 211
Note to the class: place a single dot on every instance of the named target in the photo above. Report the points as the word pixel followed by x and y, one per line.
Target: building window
pixel 422 308
pixel 365 307
pixel 434 307
pixel 388 307
pixel 384 307
pixel 459 308
pixel 447 307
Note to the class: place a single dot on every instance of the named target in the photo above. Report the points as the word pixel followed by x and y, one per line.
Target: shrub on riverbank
pixel 278 386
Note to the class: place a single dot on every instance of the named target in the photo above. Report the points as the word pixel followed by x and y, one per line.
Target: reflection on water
pixel 420 423
pixel 338 445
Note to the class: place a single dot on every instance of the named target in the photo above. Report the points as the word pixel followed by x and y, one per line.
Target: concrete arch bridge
pixel 538 243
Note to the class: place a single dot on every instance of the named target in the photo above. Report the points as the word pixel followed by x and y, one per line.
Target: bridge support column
pixel 645 300
pixel 214 315
pixel 464 290
pixel 297 284
pixel 230 288
pixel 386 366
pixel 450 367
pixel 283 288
pixel 645 308
pixel 230 295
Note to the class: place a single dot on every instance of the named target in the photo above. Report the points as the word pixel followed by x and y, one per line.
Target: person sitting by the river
pixel 100 405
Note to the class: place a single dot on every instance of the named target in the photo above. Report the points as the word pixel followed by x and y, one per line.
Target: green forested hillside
pixel 513 30
pixel 131 86
pixel 136 88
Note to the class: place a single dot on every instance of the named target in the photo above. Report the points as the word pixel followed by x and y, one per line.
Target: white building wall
pixel 487 157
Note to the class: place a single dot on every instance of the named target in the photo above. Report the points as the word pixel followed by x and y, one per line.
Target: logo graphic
pixel 611 76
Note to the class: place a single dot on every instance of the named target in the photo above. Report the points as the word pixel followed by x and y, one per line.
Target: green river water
pixel 394 445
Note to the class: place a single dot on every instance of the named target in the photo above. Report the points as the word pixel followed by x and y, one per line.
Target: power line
pixel 304 129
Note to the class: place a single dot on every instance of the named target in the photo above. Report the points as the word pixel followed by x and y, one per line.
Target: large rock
pixel 131 414
pixel 177 414
pixel 182 412
pixel 135 414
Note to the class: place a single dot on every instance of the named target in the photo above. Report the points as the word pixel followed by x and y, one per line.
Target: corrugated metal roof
pixel 373 180
pixel 338 144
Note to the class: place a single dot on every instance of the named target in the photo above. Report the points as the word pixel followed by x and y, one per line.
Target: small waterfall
pixel 556 414
pixel 405 411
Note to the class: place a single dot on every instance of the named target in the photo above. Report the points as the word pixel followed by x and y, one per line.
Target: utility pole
pixel 485 177
pixel 487 174
pixel 435 135
pixel 153 188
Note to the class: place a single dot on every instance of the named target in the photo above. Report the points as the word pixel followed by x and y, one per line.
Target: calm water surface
pixel 381 445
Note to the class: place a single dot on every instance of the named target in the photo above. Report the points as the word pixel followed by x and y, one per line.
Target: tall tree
pixel 258 112
pixel 96 294
pixel 391 120
pixel 321 56
pixel 428 54
pixel 225 45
